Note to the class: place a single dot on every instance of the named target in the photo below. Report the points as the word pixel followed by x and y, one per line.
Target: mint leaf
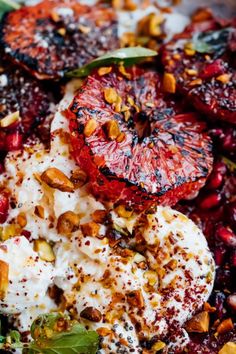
pixel 7 5
pixel 126 56
pixel 54 333
pixel 57 334
pixel 11 341
pixel 212 41
pixel 78 343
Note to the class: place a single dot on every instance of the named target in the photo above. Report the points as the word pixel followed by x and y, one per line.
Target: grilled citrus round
pixel 133 143
pixel 56 36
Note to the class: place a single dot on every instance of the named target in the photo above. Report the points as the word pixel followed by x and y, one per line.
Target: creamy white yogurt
pixel 29 278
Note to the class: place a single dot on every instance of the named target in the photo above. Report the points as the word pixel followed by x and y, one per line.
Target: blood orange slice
pixel 56 36
pixel 202 61
pixel 24 104
pixel 132 141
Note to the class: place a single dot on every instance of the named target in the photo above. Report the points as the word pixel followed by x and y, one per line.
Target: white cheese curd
pixel 28 280
pixel 176 280
pixel 161 276
pixel 128 20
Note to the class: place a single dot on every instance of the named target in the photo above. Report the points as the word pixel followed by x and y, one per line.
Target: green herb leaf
pixel 77 340
pixel 49 338
pixel 127 56
pixel 7 5
pixel 212 41
pixel 11 341
pixel 45 322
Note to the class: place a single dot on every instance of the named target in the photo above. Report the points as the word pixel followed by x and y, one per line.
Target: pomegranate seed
pixel 212 200
pixel 215 180
pixel 230 214
pixel 4 206
pixel 213 69
pixel 13 141
pixel 220 167
pixel 226 235
pixel 233 258
pixel 228 141
pixel 219 254
pixel 231 301
pixel 217 132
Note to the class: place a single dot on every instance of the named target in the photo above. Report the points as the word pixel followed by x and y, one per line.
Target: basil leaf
pixel 7 5
pixel 127 56
pixel 212 41
pixel 48 339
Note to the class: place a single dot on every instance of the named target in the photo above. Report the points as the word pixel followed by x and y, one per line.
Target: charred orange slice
pixel 133 142
pixel 54 36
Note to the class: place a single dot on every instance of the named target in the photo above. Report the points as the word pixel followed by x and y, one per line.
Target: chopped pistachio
pixel 124 72
pixel 224 78
pixel 199 323
pixel 99 216
pixel 103 331
pixel 112 129
pixel 90 229
pixel 44 250
pixel 54 16
pixel 151 277
pixel 91 314
pixel 78 177
pixel 90 127
pixel 191 72
pixel 195 82
pixel 67 223
pixel 39 211
pixel 104 70
pixel 121 137
pixel 225 326
pixel 110 95
pixel 55 178
pixel 10 231
pixel 169 83
pixel 4 273
pixel 10 119
pixel 124 211
pixel 62 31
pixel 189 52
pixel 21 219
pixel 135 298
pixel 228 348
pixel 84 29
pixel 158 346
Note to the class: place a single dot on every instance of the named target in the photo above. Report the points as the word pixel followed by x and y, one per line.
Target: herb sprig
pixel 126 56
pixel 54 334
